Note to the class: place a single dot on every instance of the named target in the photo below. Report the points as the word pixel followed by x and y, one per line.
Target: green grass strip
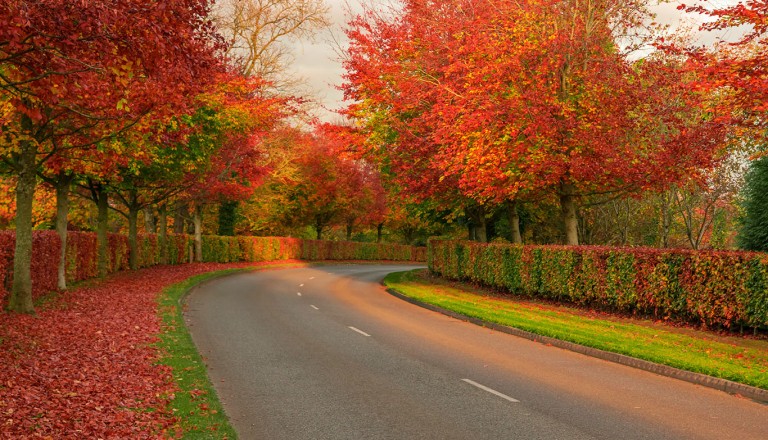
pixel 196 404
pixel 728 357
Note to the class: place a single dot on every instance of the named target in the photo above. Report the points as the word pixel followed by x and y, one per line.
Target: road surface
pixel 325 353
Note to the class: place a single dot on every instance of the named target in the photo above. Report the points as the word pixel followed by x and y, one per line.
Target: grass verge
pixel 195 404
pixel 727 357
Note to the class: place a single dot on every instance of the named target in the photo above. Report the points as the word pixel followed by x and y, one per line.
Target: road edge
pixel 734 388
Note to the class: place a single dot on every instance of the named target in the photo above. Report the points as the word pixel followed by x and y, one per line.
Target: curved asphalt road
pixel 325 353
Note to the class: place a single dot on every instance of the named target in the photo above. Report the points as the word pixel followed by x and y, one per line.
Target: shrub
pixel 709 288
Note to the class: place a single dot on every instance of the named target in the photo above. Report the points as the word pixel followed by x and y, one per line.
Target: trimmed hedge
pixel 233 249
pixel 709 288
pixel 82 254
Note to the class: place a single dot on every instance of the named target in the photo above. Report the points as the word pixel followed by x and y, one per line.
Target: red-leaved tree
pixel 506 101
pixel 72 74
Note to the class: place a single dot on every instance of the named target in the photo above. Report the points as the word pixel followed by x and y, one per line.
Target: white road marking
pixel 359 331
pixel 315 307
pixel 490 390
pixel 298 293
pixel 311 278
pixel 301 285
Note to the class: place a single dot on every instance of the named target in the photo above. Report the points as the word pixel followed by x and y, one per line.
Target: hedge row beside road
pixel 234 249
pixel 728 289
pixel 82 254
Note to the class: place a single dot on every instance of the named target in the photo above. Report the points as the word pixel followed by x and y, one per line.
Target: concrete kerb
pixel 757 394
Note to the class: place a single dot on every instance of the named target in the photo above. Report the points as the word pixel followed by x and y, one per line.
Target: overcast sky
pixel 318 61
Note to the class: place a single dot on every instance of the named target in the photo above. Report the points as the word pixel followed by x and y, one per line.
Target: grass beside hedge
pixel 737 359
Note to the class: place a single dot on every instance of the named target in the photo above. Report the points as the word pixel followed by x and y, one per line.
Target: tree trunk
pixel 179 216
pixel 62 212
pixel 568 209
pixel 379 232
pixel 20 300
pixel 666 217
pixel 514 222
pixel 162 236
pixel 408 234
pixel 133 226
pixel 102 243
pixel 149 221
pixel 482 230
pixel 198 222
pixel 319 230
pixel 479 225
pixel 349 230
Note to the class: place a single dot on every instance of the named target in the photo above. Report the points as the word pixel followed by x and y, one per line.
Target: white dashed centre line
pixel 298 293
pixel 359 331
pixel 490 390
pixel 315 307
pixel 311 278
pixel 301 285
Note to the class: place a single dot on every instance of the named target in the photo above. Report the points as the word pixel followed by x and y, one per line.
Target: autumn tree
pixel 77 73
pixel 234 120
pixel 265 212
pixel 738 68
pixel 510 101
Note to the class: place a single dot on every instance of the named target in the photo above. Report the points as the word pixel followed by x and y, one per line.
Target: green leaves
pixel 713 289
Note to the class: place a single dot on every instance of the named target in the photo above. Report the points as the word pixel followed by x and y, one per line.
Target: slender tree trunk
pixel 666 217
pixel 20 300
pixel 198 222
pixel 479 228
pixel 149 221
pixel 379 232
pixel 568 209
pixel 133 226
pixel 179 215
pixel 349 230
pixel 319 229
pixel 102 243
pixel 162 236
pixel 408 234
pixel 62 212
pixel 514 222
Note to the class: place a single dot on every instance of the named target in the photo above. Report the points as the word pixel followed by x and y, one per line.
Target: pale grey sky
pixel 318 60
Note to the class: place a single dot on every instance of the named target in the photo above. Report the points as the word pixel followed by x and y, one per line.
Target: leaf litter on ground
pixel 86 365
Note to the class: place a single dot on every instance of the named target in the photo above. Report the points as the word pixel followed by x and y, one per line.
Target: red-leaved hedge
pixel 701 287
pixel 82 254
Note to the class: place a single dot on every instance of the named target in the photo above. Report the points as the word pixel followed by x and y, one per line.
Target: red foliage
pixel 85 368
pixel 45 247
pixel 506 100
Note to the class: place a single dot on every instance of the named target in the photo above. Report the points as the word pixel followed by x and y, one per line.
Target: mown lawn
pixel 738 359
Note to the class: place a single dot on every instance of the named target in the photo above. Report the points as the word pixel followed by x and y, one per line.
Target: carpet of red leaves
pixel 85 366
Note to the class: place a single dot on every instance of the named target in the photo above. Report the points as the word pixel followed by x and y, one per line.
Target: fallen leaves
pixel 88 367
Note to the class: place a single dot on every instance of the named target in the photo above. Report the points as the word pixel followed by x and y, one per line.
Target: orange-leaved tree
pixel 504 101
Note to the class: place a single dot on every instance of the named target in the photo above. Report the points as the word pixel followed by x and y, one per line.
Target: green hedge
pixel 232 249
pixel 701 287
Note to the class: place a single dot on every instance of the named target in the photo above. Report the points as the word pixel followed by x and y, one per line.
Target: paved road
pixel 325 353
